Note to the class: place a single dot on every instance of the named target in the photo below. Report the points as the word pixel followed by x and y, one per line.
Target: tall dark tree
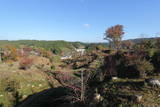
pixel 157 43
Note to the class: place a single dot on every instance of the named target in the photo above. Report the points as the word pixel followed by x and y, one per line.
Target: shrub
pixel 10 53
pixel 56 51
pixel 53 67
pixel 109 68
pixel 133 65
pixel 56 58
pixel 78 84
pixel 156 61
pixel 10 88
pixel 144 67
pixel 25 63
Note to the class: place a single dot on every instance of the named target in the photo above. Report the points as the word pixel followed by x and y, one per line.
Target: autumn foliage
pixel 25 63
pixel 114 35
pixel 10 53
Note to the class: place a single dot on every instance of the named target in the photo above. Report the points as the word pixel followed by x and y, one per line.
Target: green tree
pixel 144 67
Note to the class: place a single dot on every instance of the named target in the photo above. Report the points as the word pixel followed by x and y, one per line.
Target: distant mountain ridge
pixel 138 40
pixel 61 44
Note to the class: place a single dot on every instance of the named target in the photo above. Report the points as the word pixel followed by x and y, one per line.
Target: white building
pixel 81 51
pixel 66 57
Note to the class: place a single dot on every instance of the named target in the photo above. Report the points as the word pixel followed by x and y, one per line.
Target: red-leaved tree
pixel 114 35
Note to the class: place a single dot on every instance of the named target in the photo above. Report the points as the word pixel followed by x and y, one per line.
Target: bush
pixel 25 63
pixel 10 53
pixel 156 60
pixel 144 67
pixel 56 51
pixel 133 65
pixel 11 94
pixel 53 67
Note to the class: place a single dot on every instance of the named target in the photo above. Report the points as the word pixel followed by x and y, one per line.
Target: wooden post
pixel 0 55
pixel 82 86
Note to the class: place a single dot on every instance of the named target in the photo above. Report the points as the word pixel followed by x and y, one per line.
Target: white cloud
pixel 87 25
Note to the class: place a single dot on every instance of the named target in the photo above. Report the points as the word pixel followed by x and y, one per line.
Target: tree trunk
pixel 82 87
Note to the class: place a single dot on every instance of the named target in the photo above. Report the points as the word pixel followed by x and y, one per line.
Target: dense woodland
pixel 113 74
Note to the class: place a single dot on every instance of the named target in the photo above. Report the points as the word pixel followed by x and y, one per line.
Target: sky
pixel 77 20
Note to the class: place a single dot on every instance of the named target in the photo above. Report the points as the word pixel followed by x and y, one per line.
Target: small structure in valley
pixel 81 51
pixel 66 57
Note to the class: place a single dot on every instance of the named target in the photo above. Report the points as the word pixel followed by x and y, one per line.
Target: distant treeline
pixel 55 46
pixel 61 46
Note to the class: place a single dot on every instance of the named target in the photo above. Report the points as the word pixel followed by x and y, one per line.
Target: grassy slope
pixel 150 95
pixel 59 45
pixel 30 81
